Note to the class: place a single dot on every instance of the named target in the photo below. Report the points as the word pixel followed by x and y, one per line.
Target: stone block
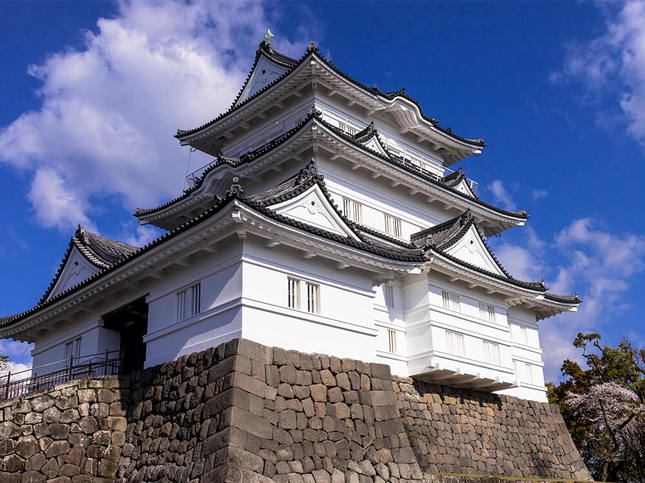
pixel 318 392
pixel 327 378
pixel 382 398
pixel 250 423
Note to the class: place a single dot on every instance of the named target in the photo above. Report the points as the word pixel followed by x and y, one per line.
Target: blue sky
pixel 93 91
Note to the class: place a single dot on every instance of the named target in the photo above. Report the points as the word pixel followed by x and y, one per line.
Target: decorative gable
pixel 264 72
pixel 463 187
pixel 313 208
pixel 76 269
pixel 375 145
pixel 471 249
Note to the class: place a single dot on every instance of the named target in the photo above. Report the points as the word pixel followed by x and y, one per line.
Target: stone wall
pixel 462 431
pixel 245 412
pixel 74 432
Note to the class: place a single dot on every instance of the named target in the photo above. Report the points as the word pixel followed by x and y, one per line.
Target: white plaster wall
pixel 49 349
pixel 220 276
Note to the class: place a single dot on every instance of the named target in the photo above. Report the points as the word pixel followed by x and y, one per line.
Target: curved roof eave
pixel 384 97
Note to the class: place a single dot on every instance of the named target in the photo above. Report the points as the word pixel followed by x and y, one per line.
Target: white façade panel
pixel 313 208
pixel 471 249
pixel 76 269
pixel 264 73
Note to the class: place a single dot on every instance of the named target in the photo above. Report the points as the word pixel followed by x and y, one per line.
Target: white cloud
pixel 614 63
pixel 501 195
pixel 598 265
pixel 110 109
pixel 538 194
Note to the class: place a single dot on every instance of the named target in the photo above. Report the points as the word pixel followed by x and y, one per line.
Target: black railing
pixel 103 364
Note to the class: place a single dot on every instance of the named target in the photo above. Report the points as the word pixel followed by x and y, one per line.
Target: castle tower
pixel 329 220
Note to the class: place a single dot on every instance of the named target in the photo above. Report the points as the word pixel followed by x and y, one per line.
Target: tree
pixel 603 406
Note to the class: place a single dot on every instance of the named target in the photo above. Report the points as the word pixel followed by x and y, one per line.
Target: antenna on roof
pixel 268 36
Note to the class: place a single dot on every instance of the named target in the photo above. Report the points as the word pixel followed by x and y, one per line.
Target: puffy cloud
pixel 501 195
pixel 614 63
pixel 598 265
pixel 110 109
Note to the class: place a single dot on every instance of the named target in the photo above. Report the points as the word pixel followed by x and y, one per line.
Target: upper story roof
pixel 313 69
pixel 366 143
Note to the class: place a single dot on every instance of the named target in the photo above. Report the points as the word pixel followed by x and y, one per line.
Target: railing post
pixel 6 392
pixel 105 371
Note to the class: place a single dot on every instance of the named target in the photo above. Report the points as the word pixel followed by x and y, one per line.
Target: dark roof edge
pixel 311 50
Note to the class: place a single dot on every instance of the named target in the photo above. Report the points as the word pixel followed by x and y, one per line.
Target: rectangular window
pixel 455 342
pixel 392 225
pixel 189 302
pixel 451 301
pixel 293 293
pixel 353 210
pixel 391 341
pixel 313 298
pixel 73 350
pixel 528 371
pixel 487 312
pixel 491 352
pixel 388 295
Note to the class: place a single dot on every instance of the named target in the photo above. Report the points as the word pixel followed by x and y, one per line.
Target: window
pixel 388 295
pixel 313 298
pixel 392 225
pixel 525 371
pixel 312 295
pixel 73 350
pixel 451 301
pixel 343 126
pixel 293 293
pixel 455 342
pixel 189 302
pixel 353 210
pixel 487 312
pixel 391 341
pixel 491 352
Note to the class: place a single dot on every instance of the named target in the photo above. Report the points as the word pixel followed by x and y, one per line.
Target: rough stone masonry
pixel 243 412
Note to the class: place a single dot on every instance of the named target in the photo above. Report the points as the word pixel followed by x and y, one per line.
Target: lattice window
pixel 388 295
pixel 451 301
pixel 492 352
pixel 189 302
pixel 391 341
pixel 73 350
pixel 353 210
pixel 313 298
pixel 487 312
pixel 455 342
pixel 293 293
pixel 392 225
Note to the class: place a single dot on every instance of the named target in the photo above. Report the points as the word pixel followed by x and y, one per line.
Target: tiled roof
pixel 565 299
pixel 245 158
pixel 400 162
pixel 100 251
pixel 368 131
pixel 115 254
pixel 268 50
pixel 441 237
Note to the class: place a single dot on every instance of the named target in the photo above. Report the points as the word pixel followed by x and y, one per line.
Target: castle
pixel 328 221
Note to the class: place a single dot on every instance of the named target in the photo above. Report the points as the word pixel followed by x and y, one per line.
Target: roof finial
pixel 268 36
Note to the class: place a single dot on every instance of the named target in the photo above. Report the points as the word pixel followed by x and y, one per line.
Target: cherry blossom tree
pixel 604 407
